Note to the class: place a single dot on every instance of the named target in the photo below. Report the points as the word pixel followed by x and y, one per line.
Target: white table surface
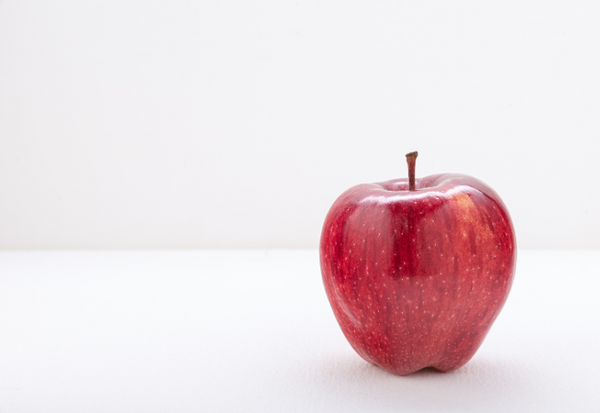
pixel 208 331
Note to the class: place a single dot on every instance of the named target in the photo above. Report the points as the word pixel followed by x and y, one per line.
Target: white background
pixel 236 124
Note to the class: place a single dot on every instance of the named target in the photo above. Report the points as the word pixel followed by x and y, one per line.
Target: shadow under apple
pixel 343 380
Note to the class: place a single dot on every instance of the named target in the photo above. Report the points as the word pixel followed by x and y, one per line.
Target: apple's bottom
pixel 399 372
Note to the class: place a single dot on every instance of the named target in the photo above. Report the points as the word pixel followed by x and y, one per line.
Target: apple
pixel 417 270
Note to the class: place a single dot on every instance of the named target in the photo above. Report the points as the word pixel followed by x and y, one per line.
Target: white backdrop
pixel 236 124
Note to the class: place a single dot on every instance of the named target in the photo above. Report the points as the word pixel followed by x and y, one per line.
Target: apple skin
pixel 416 278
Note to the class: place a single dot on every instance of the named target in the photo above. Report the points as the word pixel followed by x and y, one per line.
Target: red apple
pixel 417 271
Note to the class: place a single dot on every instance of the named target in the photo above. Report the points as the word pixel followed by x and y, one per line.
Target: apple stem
pixel 411 160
